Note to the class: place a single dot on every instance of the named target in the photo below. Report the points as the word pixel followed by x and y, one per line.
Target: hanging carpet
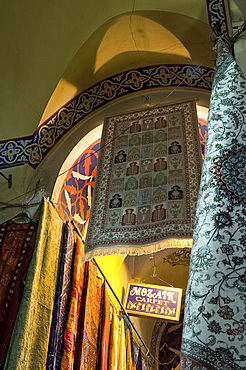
pixel 103 330
pixel 147 182
pixel 61 306
pixel 70 333
pixel 114 341
pixel 130 361
pixel 30 339
pixel 88 343
pixel 214 334
pixel 17 243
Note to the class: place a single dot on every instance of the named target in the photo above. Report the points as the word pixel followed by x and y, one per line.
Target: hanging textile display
pixel 17 243
pixel 214 334
pixel 147 182
pixel 113 341
pixel 104 330
pixel 70 333
pixel 88 342
pixel 29 343
pixel 130 362
pixel 122 346
pixel 139 365
pixel 60 313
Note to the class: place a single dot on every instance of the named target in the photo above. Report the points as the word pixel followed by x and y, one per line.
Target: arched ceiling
pixel 46 41
pixel 53 50
pixel 130 41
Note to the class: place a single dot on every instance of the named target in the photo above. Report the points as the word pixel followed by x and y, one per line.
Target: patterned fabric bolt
pixel 30 339
pixel 60 313
pixel 70 333
pixel 214 333
pixel 121 363
pixel 139 365
pixel 113 341
pixel 130 361
pixel 89 338
pixel 104 330
pixel 17 243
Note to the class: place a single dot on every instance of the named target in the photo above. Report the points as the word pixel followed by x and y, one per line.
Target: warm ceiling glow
pixel 134 33
pixel 63 93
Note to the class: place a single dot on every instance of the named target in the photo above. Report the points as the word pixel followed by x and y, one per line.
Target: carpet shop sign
pixel 153 300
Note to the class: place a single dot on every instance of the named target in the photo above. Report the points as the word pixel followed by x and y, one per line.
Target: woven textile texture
pixel 61 306
pixel 30 339
pixel 70 332
pixel 88 343
pixel 147 182
pixel 103 330
pixel 17 243
pixel 214 335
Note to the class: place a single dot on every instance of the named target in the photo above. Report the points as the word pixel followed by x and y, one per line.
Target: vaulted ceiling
pixel 51 51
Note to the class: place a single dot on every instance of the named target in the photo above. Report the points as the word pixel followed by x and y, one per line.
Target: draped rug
pixel 114 341
pixel 139 365
pixel 70 332
pixel 121 357
pixel 17 243
pixel 61 306
pixel 147 182
pixel 30 339
pixel 130 361
pixel 89 341
pixel 214 335
pixel 103 330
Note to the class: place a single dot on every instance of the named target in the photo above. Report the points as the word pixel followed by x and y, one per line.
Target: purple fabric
pixel 139 365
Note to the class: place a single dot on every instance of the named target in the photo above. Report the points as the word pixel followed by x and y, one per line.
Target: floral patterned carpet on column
pixel 214 335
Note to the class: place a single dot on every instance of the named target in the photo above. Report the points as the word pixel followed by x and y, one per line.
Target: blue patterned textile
pixel 214 335
pixel 60 311
pixel 33 149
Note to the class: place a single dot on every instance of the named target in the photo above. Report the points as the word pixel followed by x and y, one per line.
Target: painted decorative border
pixel 33 149
pixel 217 12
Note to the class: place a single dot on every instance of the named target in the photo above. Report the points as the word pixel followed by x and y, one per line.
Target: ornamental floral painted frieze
pixel 33 149
pixel 217 12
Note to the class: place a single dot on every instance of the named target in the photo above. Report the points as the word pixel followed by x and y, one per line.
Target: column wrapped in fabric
pixel 214 334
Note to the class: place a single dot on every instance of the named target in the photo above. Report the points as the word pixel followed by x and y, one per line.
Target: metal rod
pixel 115 295
pixel 9 179
pixel 4 176
pixel 122 307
